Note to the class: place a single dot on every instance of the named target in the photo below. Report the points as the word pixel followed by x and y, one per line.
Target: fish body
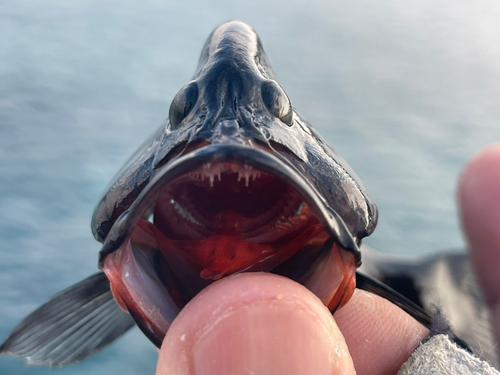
pixel 234 181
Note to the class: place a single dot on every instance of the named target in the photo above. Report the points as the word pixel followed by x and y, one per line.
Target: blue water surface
pixel 405 91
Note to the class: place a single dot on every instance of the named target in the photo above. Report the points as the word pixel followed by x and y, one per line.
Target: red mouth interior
pixel 226 199
pixel 217 220
pixel 227 218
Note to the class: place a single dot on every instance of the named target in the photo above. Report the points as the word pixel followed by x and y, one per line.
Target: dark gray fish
pixel 234 181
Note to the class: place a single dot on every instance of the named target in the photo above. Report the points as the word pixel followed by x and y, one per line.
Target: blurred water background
pixel 405 91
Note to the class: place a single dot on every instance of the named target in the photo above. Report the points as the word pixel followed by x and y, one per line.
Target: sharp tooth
pixel 184 212
pixel 219 176
pixel 299 209
pixel 239 176
pixel 212 178
pixel 247 178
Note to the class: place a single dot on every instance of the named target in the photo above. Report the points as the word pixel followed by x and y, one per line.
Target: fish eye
pixel 183 103
pixel 277 101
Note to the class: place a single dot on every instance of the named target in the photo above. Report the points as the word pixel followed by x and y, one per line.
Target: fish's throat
pixel 223 254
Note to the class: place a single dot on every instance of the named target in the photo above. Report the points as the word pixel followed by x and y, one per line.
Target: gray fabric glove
pixel 440 356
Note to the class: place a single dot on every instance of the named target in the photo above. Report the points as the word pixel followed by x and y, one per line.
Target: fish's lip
pixel 265 161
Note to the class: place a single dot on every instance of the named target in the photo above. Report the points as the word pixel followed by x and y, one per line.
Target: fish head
pixel 234 181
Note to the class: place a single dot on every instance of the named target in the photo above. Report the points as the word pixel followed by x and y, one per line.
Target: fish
pixel 235 180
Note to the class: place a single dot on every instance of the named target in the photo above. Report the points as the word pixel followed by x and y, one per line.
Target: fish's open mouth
pixel 213 213
pixel 231 199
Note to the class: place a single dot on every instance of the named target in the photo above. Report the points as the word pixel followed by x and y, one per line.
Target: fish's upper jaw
pixel 262 161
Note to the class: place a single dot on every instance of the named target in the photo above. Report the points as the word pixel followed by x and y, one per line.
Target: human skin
pixel 261 324
pixel 479 198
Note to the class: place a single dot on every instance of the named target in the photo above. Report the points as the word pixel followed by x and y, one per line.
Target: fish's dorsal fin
pixel 72 325
pixel 374 286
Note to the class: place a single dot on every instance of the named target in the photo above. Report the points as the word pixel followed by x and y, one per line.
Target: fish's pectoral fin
pixel 376 287
pixel 71 326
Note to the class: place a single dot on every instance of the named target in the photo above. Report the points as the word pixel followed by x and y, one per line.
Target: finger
pixel 380 335
pixel 254 323
pixel 479 201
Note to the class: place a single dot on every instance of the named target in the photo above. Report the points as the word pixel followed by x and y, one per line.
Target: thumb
pixel 479 199
pixel 254 323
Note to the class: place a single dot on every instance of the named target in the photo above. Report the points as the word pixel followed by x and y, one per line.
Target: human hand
pixel 258 323
pixel 265 324
pixel 479 201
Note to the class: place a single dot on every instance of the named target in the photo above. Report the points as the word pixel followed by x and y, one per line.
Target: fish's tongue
pixel 223 255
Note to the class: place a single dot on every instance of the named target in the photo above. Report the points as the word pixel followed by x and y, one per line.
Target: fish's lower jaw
pixel 153 277
pixel 140 293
